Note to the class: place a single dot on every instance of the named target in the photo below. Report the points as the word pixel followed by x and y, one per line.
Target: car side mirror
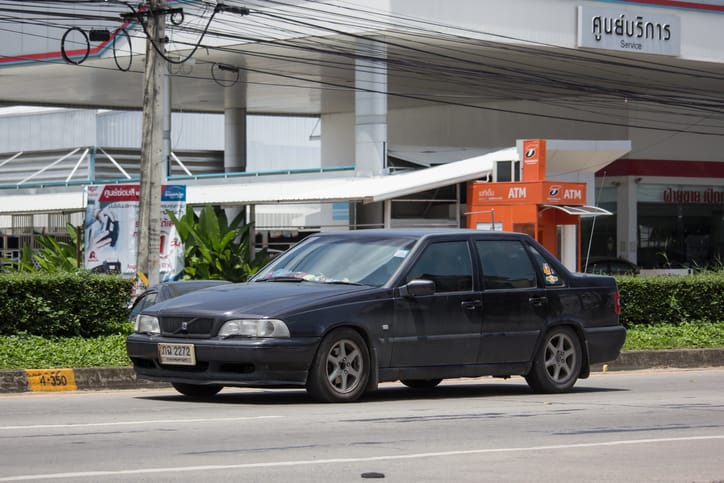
pixel 418 288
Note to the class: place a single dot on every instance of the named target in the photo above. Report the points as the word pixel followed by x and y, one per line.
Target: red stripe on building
pixel 679 4
pixel 657 167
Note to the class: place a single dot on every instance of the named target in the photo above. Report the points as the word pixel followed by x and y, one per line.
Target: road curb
pixel 102 378
pixel 683 359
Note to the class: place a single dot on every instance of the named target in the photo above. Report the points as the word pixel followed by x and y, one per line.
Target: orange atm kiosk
pixel 549 211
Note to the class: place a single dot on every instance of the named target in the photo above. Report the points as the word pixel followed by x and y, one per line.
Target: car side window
pixel 505 265
pixel 448 264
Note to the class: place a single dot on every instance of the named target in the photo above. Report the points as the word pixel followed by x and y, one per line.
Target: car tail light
pixel 617 302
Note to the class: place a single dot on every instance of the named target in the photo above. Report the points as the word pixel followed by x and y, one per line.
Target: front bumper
pixel 228 362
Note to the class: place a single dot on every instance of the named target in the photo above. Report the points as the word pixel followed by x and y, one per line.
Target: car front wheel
pixel 341 368
pixel 558 363
pixel 197 390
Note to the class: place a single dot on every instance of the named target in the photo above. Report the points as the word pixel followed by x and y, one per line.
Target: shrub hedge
pixel 63 304
pixel 92 305
pixel 672 299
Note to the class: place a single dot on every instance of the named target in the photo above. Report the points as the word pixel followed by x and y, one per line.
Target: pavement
pixel 111 378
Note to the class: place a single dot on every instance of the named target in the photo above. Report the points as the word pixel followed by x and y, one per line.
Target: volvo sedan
pixel 342 311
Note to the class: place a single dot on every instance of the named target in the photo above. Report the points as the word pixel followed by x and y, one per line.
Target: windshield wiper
pixel 342 282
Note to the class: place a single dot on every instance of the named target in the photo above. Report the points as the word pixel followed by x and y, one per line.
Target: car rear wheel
pixel 421 383
pixel 197 390
pixel 341 368
pixel 558 363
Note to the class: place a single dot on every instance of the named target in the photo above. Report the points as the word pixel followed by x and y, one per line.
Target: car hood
pixel 255 299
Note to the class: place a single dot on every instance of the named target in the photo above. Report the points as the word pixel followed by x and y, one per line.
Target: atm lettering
pixel 516 193
pixel 573 195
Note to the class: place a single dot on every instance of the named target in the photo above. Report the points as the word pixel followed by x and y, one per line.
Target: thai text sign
pixel 613 27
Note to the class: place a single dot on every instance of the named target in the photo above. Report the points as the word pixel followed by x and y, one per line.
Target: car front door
pixel 514 306
pixel 442 328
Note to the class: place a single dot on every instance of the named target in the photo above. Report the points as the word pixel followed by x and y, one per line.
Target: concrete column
pixel 235 128
pixel 627 219
pixel 569 247
pixel 235 136
pixel 370 109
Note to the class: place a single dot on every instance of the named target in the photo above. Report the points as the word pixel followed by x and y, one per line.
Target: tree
pixel 216 249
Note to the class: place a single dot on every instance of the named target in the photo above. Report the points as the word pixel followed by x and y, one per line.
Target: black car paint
pixel 399 330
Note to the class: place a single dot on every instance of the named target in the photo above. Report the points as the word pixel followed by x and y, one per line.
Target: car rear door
pixel 514 305
pixel 442 328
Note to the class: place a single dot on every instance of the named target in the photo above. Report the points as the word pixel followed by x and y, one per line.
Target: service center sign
pixel 613 27
pixel 111 228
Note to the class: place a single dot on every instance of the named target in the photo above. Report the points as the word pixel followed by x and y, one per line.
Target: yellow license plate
pixel 177 354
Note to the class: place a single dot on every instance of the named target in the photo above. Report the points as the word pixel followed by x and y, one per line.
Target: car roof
pixel 417 233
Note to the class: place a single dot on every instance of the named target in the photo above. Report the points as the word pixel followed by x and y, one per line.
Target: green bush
pixel 63 304
pixel 671 299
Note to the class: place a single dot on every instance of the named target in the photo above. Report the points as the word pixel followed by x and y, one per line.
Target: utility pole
pixel 149 220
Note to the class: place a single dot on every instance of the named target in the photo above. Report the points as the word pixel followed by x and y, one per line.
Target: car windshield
pixel 342 260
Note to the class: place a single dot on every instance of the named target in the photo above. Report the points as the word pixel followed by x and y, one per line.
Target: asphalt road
pixel 623 426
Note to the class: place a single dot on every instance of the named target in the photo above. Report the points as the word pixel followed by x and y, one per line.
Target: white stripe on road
pixel 277 464
pixel 131 423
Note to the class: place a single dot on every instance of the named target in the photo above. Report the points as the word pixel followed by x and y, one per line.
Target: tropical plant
pixel 54 256
pixel 216 249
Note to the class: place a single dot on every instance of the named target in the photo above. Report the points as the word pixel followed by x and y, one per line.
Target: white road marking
pixel 273 464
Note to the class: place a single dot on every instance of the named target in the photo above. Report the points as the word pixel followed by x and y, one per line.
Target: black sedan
pixel 342 311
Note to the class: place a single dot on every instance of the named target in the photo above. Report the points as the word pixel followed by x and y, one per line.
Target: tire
pixel 341 369
pixel 197 390
pixel 557 364
pixel 421 383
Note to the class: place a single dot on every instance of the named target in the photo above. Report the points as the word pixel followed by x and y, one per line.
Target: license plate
pixel 177 354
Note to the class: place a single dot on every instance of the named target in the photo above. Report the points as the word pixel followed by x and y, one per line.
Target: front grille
pixel 186 326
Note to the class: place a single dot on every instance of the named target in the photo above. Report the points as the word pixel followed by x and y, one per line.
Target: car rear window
pixel 505 265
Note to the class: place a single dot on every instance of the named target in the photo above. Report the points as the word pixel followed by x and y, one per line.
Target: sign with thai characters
pixel 547 192
pixel 614 27
pixel 111 229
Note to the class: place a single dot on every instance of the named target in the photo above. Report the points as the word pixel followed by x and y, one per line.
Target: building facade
pixel 391 78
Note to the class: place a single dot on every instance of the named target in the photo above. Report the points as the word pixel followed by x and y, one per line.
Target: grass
pixel 32 352
pixel 688 335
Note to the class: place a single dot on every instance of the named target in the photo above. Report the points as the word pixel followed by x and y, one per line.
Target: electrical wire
pixel 315 35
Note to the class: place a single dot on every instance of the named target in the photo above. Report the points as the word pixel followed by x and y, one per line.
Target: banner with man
pixel 111 229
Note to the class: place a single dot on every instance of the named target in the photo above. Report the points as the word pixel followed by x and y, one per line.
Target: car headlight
pixel 147 324
pixel 254 328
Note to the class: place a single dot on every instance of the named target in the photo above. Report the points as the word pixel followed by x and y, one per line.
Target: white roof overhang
pixel 259 190
pixel 42 202
pixel 563 156
pixel 350 188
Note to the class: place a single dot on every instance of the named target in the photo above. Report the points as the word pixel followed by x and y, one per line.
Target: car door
pixel 514 305
pixel 442 328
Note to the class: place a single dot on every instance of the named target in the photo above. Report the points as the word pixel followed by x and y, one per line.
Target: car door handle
pixel 471 304
pixel 538 301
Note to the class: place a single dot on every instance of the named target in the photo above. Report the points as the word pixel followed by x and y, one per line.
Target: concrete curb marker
pixel 65 379
pixel 97 378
